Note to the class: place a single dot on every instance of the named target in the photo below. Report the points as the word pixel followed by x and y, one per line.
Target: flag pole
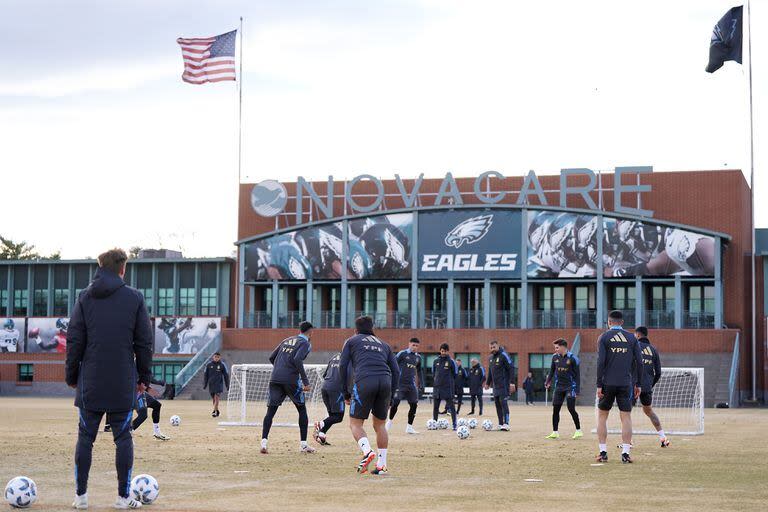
pixel 240 115
pixel 752 205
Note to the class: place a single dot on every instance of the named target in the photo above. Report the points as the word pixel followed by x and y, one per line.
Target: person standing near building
pixel 409 361
pixel 444 370
pixel 476 381
pixel 109 361
pixel 528 388
pixel 501 373
pixel 333 398
pixel 651 375
pixel 462 377
pixel 564 373
pixel 216 379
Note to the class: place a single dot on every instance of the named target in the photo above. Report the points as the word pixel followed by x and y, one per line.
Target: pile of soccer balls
pixel 21 492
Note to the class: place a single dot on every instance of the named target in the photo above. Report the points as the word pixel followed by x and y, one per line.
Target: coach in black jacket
pixel 109 359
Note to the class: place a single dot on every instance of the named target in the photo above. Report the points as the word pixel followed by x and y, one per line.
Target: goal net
pixel 678 401
pixel 249 391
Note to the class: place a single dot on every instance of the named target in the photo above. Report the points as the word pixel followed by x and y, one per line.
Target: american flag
pixel 208 59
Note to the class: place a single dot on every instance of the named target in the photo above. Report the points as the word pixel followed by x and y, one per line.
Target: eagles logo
pixel 470 231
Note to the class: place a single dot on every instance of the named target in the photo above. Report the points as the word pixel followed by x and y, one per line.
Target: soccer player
pixel 565 374
pixel 9 336
pixel 146 400
pixel 651 375
pixel 289 379
pixel 376 376
pixel 216 379
pixel 619 370
pixel 462 376
pixel 476 381
pixel 409 361
pixel 500 375
pixel 333 398
pixel 528 388
pixel 444 370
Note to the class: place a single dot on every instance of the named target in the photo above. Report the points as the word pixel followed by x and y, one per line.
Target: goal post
pixel 678 401
pixel 249 390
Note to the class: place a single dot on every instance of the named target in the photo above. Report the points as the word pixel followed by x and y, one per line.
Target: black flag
pixel 726 40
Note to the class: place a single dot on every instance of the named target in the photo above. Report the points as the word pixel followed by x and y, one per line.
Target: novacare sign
pixel 269 198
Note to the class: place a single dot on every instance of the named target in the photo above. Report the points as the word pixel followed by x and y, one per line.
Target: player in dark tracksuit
pixel 476 381
pixel 444 371
pixel 144 401
pixel 651 375
pixel 565 375
pixel 289 379
pixel 376 377
pixel 216 379
pixel 409 361
pixel 500 377
pixel 333 398
pixel 462 376
pixel 619 373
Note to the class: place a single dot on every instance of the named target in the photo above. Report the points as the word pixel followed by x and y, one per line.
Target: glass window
pixel 538 365
pixel 208 301
pixel 3 291
pixel 701 298
pixel 551 297
pixel 165 301
pixel 663 298
pixel 25 373
pixel 187 301
pixel 20 302
pixel 403 300
pixel 60 302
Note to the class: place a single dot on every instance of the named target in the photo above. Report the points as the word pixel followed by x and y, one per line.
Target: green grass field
pixel 207 467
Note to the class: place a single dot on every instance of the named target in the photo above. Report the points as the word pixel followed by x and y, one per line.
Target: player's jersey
pixel 444 370
pixel 331 378
pixel 9 340
pixel 369 357
pixel 500 370
pixel 564 371
pixel 618 359
pixel 651 363
pixel 61 338
pixel 410 365
pixel 476 379
pixel 288 360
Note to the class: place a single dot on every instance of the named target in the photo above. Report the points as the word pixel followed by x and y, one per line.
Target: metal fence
pixel 199 360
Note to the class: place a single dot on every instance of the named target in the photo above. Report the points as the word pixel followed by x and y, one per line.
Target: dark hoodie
pixel 651 363
pixel 368 356
pixel 109 345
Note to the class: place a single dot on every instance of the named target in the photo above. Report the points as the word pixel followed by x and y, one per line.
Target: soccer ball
pixel 462 432
pixel 431 425
pixel 144 488
pixel 442 423
pixel 461 422
pixel 472 423
pixel 21 492
pixel 175 420
pixel 487 425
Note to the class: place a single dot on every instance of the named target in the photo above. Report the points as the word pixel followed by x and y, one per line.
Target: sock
pixel 578 430
pixel 365 446
pixel 382 462
pixel 661 434
pixel 556 432
pixel 156 428
pixel 303 444
pixel 603 447
pixel 322 424
pixel 625 448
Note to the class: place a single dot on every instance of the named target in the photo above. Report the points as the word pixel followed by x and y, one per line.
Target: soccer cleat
pixel 626 459
pixel 388 425
pixel 379 470
pixel 213 414
pixel 504 427
pixel 553 435
pixel 470 413
pixel 218 413
pixel 362 467
pixel 664 442
pixel 81 502
pixel 126 503
pixel 316 435
pixel 603 457
pixel 264 447
pixel 307 449
pixel 410 430
pixel 577 435
pixel 161 436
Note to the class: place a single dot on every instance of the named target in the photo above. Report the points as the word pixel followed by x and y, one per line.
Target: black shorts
pixel 560 395
pixel 408 395
pixel 278 392
pixel 646 399
pixel 371 394
pixel 334 401
pixel 621 394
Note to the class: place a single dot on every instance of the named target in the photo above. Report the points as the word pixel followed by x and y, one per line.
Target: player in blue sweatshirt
pixel 501 373
pixel 376 376
pixel 444 371
pixel 564 374
pixel 333 398
pixel 289 379
pixel 651 375
pixel 619 378
pixel 408 388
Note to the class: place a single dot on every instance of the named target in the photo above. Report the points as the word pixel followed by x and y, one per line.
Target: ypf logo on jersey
pixel 475 243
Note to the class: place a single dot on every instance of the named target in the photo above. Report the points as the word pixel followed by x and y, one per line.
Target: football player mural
pixel 184 335
pixel 47 335
pixel 562 245
pixel 12 334
pixel 380 247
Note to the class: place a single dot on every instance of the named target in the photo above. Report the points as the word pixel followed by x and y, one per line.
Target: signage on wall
pixel 269 198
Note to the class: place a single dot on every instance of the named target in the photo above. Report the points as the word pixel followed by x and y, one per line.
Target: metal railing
pixel 330 319
pixel 582 319
pixel 435 319
pixel 290 319
pixel 508 319
pixel 549 318
pixel 199 360
pixel 698 320
pixel 629 316
pixel 258 319
pixel 733 389
pixel 385 319
pixel 470 320
pixel 660 319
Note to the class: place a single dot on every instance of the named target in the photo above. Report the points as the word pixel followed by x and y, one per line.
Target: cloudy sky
pixel 103 144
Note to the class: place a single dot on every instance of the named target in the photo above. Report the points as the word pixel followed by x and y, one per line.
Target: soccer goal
pixel 678 401
pixel 249 390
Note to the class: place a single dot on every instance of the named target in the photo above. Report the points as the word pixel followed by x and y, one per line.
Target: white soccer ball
pixel 431 425
pixel 487 424
pixel 462 432
pixel 472 423
pixel 175 420
pixel 144 488
pixel 442 423
pixel 21 492
pixel 461 422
